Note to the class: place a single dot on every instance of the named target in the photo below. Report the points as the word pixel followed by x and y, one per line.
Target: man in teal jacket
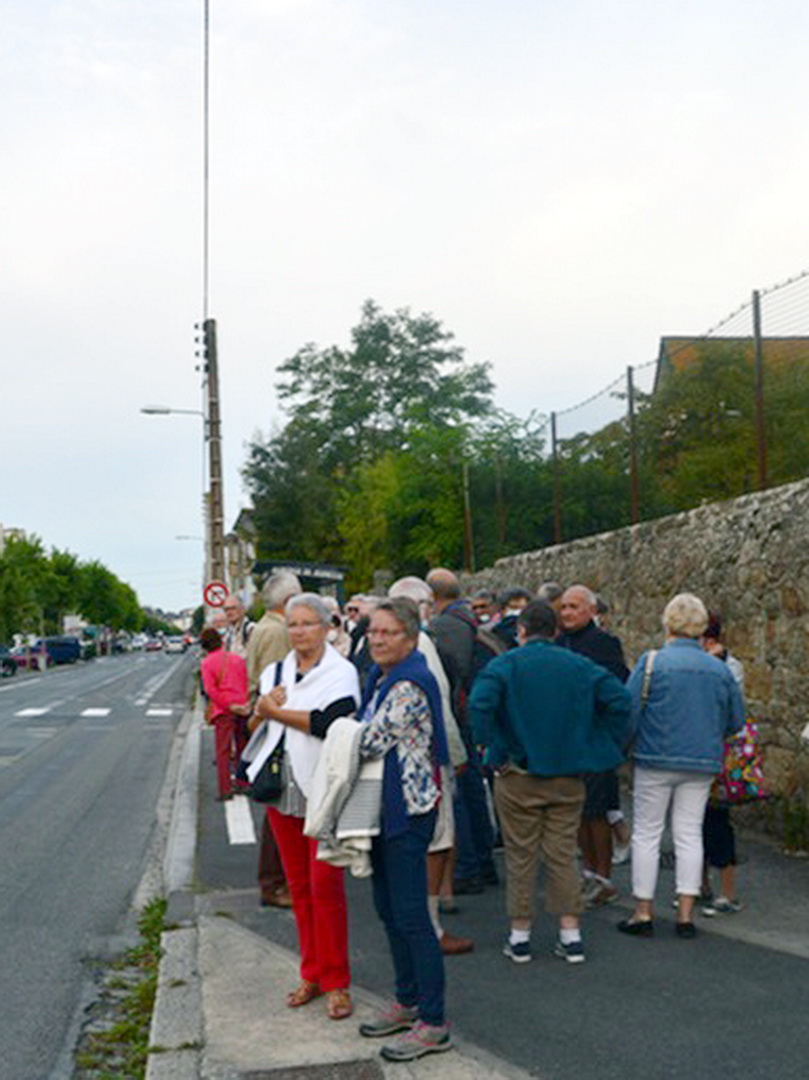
pixel 546 716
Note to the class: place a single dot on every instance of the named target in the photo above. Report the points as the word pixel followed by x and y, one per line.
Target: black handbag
pixel 268 785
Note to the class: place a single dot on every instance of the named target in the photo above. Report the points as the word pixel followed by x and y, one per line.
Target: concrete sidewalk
pixel 221 1014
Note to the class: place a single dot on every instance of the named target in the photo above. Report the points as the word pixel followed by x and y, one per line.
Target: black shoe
pixel 468 886
pixel 685 930
pixel 637 927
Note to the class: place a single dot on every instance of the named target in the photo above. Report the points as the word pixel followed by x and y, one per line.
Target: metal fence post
pixel 557 485
pixel 758 370
pixel 633 450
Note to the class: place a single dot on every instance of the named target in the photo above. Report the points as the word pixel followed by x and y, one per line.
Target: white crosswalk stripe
pixel 239 821
pixel 159 712
pixel 95 712
pixel 32 712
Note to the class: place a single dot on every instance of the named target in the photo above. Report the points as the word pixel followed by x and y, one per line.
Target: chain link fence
pixel 713 416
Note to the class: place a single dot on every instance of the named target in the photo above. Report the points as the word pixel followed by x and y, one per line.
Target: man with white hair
pixel 239 627
pixel 440 850
pixel 268 644
pixel 581 633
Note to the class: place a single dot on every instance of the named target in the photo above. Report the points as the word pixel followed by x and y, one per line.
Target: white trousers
pixel 653 791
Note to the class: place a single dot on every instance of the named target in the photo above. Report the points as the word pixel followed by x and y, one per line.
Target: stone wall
pixel 748 559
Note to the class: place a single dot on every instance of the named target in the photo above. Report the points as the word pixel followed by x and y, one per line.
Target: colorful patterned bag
pixel 742 776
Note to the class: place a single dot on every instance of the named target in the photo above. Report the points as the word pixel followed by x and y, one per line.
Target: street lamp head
pixel 164 410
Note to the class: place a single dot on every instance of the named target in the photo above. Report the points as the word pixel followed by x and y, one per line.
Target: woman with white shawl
pixel 313 687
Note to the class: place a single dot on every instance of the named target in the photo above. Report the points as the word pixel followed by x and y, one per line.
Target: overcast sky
pixel 560 183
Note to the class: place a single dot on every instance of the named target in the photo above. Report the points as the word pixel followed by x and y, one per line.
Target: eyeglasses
pixel 302 625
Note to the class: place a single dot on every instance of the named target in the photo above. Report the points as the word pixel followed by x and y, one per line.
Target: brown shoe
pixel 280 898
pixel 454 946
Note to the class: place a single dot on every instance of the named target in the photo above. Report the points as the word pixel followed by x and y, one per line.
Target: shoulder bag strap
pixel 647 677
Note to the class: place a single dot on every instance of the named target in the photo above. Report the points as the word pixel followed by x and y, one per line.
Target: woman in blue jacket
pixel 685 703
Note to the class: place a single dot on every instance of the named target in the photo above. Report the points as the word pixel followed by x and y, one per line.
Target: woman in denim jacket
pixel 685 703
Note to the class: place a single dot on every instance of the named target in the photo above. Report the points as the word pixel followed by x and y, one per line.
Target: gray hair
pixel 405 612
pixel 314 602
pixel 279 587
pixel 588 594
pixel 414 588
pixel 685 616
pixel 549 591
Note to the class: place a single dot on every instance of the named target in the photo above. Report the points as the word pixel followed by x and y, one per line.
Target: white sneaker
pixel 620 854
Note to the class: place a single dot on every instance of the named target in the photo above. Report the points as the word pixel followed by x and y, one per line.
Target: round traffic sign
pixel 215 593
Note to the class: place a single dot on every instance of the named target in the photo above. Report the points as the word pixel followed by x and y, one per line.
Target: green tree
pixel 348 408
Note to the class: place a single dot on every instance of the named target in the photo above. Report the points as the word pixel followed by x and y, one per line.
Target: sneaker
pixel 421 1039
pixel 726 906
pixel 573 952
pixel 395 1018
pixel 520 953
pixel 620 854
pixel 606 894
pixel 591 887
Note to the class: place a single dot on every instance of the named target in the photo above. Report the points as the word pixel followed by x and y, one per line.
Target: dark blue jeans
pixel 400 897
pixel 474 836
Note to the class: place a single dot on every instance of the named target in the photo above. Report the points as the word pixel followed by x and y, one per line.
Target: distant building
pixel 240 557
pixel 9 533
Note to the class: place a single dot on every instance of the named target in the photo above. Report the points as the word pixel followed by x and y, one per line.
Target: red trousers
pixel 319 903
pixel 223 739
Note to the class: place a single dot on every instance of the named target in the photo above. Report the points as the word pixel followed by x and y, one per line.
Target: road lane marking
pixel 33 712
pixel 42 732
pixel 95 712
pixel 159 712
pixel 239 821
pixel 153 685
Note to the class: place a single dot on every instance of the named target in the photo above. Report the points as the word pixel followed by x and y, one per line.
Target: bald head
pixel 578 608
pixel 445 586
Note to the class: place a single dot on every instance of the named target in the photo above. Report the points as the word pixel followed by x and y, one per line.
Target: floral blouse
pixel 404 721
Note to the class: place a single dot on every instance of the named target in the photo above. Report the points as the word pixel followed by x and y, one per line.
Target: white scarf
pixel 328 681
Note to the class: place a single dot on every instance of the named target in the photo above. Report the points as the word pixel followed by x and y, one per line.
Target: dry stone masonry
pixel 747 558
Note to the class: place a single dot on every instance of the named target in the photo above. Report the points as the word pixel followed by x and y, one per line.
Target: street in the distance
pixel 83 755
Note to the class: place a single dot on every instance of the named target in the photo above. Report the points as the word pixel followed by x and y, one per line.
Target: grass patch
pixel 115 1042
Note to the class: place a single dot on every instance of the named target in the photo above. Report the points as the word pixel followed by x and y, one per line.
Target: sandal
pixel 338 1004
pixel 303 994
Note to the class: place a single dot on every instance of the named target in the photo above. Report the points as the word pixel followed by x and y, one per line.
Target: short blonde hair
pixel 685 615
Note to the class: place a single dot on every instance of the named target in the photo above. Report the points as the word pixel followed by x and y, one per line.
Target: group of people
pixel 484 719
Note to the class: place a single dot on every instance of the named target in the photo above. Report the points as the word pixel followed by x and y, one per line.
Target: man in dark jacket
pixel 581 634
pixel 546 717
pixel 454 629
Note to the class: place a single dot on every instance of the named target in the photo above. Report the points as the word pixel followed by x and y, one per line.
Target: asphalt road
pixel 83 754
pixel 663 1009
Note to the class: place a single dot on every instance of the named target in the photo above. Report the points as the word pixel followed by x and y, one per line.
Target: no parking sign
pixel 215 593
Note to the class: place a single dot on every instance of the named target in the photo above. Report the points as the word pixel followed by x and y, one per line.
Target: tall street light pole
pixel 216 510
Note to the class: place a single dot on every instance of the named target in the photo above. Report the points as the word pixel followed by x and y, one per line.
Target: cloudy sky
pixel 560 183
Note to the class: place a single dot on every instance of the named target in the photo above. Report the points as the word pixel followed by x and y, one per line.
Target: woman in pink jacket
pixel 224 679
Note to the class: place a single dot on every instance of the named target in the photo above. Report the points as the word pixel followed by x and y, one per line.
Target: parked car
pixel 27 656
pixel 63 649
pixel 174 644
pixel 8 665
pixel 153 644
